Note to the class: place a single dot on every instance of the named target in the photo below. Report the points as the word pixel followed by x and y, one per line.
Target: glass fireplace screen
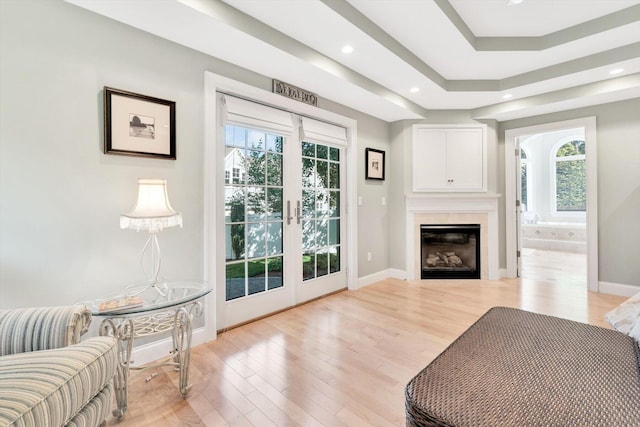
pixel 450 251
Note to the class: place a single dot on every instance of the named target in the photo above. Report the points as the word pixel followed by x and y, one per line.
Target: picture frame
pixel 139 125
pixel 374 164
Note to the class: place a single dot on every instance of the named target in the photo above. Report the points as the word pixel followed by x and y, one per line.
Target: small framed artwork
pixel 374 164
pixel 139 125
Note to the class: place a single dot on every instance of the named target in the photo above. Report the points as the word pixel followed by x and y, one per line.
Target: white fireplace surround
pixel 444 209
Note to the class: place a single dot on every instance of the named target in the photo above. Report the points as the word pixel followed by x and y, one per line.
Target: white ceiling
pixel 550 55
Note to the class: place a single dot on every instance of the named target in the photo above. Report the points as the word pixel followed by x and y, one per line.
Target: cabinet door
pixel 429 160
pixel 465 159
pixel 449 158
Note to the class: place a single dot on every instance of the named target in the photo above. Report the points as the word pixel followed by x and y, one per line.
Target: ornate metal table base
pixel 126 328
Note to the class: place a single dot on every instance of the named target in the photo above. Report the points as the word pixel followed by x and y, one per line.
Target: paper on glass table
pixel 120 303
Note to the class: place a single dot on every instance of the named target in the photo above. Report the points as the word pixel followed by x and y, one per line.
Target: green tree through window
pixel 253 211
pixel 320 210
pixel 571 178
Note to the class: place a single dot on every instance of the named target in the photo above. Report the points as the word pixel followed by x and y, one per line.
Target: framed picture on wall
pixel 374 166
pixel 139 125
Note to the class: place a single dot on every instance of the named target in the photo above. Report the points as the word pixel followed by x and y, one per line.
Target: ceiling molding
pixel 239 20
pixel 378 78
pixel 613 20
pixel 250 25
pixel 457 21
pixel 511 109
pixel 357 18
pixel 601 59
pixel 562 69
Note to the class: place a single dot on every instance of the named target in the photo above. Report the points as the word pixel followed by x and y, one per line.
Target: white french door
pixel 521 176
pixel 283 210
pixel 322 214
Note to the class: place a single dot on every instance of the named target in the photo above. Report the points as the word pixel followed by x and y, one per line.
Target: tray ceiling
pixel 460 54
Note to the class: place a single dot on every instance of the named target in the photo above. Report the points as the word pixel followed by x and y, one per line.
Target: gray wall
pixel 618 139
pixel 61 197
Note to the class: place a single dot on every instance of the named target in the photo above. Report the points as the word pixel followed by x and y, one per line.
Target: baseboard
pixel 159 349
pixel 373 278
pixel 396 273
pixel 618 289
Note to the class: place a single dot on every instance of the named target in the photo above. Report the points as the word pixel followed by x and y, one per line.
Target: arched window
pixel 571 179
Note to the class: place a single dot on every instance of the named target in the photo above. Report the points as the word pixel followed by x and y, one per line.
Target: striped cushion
pixel 49 388
pixel 95 411
pixel 44 328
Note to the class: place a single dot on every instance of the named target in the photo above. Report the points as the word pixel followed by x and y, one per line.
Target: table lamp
pixel 152 212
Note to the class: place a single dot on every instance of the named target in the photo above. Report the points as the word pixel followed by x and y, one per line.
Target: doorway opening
pixel 551 199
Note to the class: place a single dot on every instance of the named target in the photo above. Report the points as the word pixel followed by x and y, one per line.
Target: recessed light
pixel 514 2
pixel 414 90
pixel 616 71
pixel 507 96
pixel 347 49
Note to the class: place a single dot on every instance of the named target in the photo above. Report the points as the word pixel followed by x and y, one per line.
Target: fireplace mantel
pixel 453 209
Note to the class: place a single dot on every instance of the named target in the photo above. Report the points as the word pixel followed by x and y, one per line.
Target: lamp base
pixel 160 288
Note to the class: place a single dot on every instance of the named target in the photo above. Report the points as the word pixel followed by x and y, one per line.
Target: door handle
pixel 298 211
pixel 289 217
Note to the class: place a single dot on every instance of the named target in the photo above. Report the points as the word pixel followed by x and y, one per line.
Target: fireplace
pixel 450 251
pixel 453 209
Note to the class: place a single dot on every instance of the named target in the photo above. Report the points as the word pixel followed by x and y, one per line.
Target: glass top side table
pixel 142 311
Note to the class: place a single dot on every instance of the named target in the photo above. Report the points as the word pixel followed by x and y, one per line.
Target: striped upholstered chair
pixel 47 376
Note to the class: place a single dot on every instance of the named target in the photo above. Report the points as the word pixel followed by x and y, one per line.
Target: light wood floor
pixel 563 268
pixel 343 360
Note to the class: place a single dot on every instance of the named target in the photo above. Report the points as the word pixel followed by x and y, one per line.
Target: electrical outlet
pixel 368 256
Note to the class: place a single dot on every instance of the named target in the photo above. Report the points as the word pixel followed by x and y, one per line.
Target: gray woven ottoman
pixel 516 368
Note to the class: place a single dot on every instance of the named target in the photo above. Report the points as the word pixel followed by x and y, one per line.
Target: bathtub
pixel 555 236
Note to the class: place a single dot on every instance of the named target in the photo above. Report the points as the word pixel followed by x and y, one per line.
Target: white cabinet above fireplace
pixel 449 158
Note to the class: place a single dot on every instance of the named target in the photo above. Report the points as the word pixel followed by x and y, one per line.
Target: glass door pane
pixel 320 210
pixel 253 212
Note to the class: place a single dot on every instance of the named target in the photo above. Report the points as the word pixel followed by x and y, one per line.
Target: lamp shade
pixel 152 210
